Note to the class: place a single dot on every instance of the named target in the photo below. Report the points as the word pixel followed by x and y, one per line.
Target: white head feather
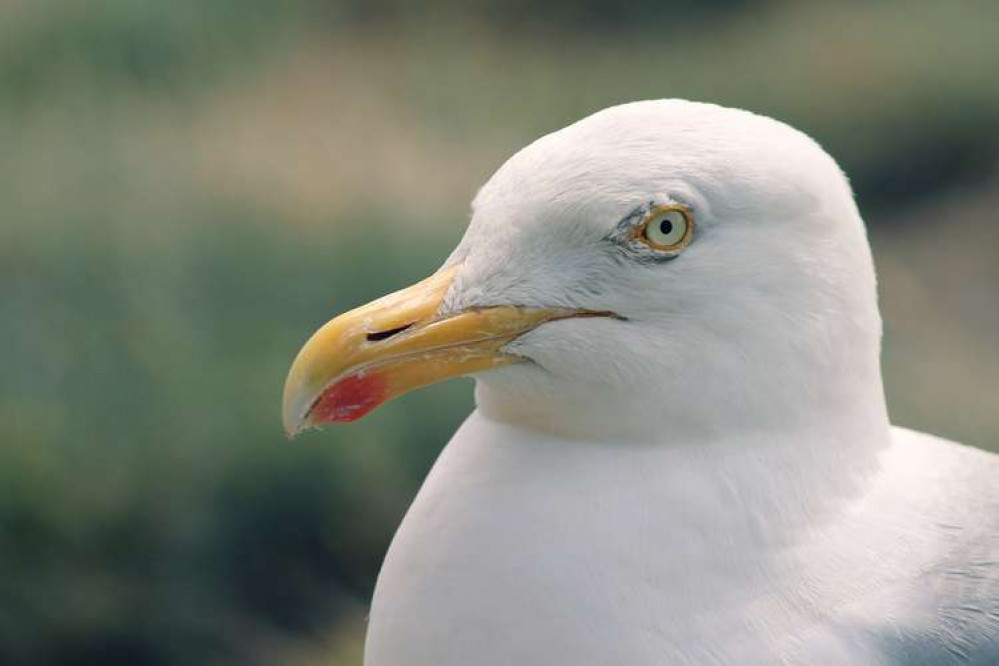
pixel 768 319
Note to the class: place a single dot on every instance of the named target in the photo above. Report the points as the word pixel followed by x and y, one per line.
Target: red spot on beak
pixel 349 399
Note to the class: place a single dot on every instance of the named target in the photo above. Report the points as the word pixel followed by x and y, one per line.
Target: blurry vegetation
pixel 189 188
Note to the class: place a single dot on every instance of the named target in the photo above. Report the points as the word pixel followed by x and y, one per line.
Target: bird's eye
pixel 667 228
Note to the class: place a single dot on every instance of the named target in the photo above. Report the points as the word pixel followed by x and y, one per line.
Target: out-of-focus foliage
pixel 190 188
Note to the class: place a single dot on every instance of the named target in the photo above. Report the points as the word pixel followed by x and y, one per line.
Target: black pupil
pixel 666 227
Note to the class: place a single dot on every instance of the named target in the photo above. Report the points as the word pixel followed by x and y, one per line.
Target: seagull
pixel 680 451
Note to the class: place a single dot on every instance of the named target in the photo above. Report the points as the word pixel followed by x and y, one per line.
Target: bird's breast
pixel 520 551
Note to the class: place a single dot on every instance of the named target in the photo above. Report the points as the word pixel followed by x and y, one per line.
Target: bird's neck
pixel 779 451
pixel 760 484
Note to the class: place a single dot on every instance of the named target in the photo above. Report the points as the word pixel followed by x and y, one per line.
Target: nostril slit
pixel 386 334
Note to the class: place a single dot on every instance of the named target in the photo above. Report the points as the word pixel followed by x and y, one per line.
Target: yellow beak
pixel 398 343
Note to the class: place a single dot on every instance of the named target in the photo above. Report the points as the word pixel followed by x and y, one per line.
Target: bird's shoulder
pixel 947 611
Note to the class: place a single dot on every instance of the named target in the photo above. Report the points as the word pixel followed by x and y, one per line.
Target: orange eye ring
pixel 667 228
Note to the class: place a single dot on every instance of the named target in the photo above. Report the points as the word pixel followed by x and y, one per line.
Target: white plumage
pixel 712 478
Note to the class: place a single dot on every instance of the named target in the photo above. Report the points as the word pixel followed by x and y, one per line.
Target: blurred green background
pixel 189 188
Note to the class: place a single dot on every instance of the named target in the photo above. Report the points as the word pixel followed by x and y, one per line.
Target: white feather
pixel 713 480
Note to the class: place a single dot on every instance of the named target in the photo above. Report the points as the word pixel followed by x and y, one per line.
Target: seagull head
pixel 657 267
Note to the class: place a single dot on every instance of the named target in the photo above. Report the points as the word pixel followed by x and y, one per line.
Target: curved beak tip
pixel 291 421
